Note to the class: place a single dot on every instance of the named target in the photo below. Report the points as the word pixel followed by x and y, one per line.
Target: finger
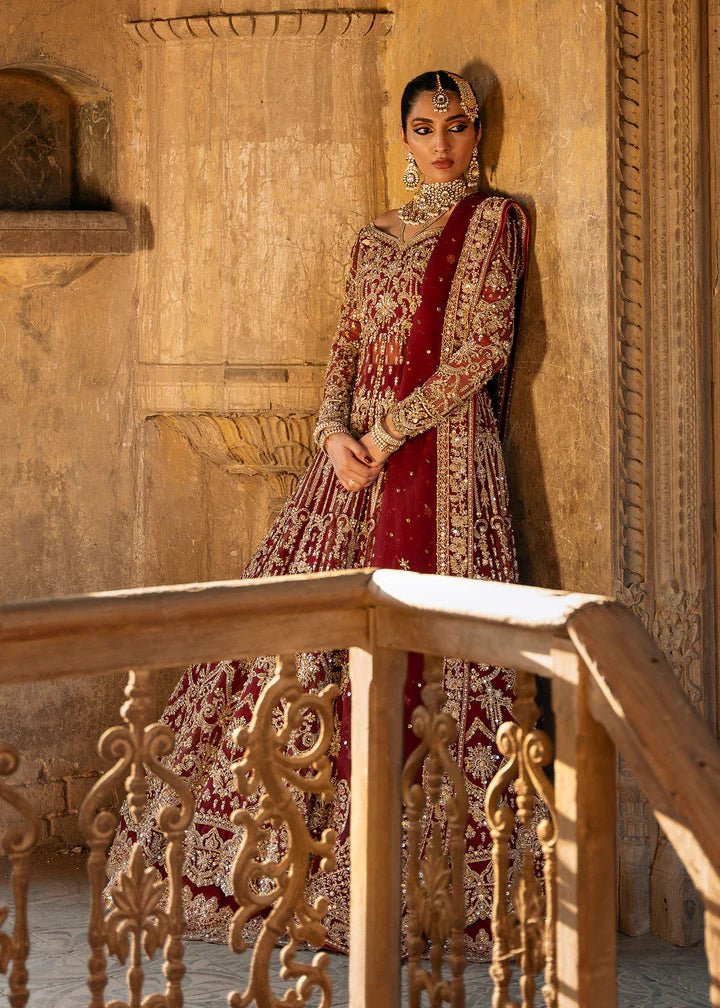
pixel 354 470
pixel 354 485
pixel 361 453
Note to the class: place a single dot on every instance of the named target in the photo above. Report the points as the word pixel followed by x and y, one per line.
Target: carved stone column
pixel 662 437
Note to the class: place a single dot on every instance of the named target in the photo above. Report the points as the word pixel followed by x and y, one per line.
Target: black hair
pixel 425 82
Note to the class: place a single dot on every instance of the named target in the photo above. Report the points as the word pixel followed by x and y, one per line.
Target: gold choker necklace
pixel 432 200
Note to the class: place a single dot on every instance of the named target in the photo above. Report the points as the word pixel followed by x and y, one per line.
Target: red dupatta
pixel 420 527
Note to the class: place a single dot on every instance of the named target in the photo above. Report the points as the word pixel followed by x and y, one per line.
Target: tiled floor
pixel 651 973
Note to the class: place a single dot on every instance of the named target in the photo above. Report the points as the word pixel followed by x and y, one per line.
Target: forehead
pixel 423 107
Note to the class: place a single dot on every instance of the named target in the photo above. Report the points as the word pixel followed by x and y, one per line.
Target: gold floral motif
pixel 524 929
pixel 17 844
pixel 136 746
pixel 277 887
pixel 435 893
pixel 136 923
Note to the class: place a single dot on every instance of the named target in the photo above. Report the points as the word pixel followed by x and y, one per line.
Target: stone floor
pixel 651 973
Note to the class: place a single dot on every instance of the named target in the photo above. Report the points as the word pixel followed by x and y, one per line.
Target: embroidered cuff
pixel 413 415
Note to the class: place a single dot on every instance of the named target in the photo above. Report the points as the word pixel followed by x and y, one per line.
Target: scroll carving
pixel 324 24
pixel 435 892
pixel 136 924
pixel 273 765
pixel 17 844
pixel 524 926
pixel 273 446
pixel 662 432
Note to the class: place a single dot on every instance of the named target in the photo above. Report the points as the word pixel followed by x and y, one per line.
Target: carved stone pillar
pixel 661 351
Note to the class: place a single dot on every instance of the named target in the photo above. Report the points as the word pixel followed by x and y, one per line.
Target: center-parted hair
pixel 427 81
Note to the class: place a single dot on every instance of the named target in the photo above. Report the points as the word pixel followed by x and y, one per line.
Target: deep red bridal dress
pixel 424 327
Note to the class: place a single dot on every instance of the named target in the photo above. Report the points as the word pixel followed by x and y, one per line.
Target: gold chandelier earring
pixel 472 172
pixel 411 178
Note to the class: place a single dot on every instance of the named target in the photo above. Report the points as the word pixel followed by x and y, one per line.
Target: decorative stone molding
pixel 41 247
pixel 663 437
pixel 277 448
pixel 331 25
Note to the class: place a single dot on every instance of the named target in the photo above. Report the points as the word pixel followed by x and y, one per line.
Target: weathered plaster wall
pixel 67 414
pixel 545 128
pixel 157 408
pixel 254 194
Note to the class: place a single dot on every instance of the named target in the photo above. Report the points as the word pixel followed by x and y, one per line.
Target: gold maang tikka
pixel 468 101
pixel 440 100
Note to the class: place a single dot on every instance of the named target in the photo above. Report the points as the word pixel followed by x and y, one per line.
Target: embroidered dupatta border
pixel 456 433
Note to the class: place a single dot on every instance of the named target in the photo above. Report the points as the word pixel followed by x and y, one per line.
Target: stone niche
pixel 56 176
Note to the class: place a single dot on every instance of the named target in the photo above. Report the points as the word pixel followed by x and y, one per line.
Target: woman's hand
pixel 378 457
pixel 354 465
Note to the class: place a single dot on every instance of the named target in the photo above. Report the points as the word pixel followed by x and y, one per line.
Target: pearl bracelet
pixel 385 442
pixel 336 428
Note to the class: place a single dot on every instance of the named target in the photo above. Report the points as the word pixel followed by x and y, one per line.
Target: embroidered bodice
pixel 381 297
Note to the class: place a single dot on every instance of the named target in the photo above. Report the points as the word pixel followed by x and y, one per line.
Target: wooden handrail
pixel 668 747
pixel 636 697
pixel 164 626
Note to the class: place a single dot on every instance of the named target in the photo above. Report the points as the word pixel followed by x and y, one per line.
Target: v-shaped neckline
pixel 399 243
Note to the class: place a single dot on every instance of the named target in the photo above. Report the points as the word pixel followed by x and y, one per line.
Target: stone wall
pixel 158 405
pixel 541 71
pixel 254 192
pixel 67 411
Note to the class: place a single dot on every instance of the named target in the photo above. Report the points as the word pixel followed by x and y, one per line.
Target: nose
pixel 441 144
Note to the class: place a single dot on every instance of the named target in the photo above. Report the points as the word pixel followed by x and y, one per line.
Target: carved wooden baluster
pixel 268 765
pixel 435 891
pixel 17 843
pixel 524 932
pixel 136 921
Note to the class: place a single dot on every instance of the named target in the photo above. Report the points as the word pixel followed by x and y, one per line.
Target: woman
pixel 409 474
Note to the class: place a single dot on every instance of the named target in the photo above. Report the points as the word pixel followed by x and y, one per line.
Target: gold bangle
pixel 385 442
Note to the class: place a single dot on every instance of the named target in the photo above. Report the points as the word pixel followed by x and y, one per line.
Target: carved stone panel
pixel 662 441
pixel 212 485
pixel 35 143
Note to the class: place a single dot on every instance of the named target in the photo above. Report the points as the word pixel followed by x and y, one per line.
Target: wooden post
pixel 378 680
pixel 585 799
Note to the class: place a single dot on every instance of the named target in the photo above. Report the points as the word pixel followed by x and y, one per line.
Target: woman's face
pixel 442 142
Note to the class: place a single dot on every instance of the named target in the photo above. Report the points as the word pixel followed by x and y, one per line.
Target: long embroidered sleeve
pixel 482 353
pixel 334 414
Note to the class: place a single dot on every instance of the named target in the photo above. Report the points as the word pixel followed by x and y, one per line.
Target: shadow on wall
pixel 537 553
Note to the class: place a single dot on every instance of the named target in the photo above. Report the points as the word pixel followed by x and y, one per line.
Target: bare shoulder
pixel 389 222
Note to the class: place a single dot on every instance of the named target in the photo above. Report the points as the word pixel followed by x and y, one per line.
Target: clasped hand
pixel 357 464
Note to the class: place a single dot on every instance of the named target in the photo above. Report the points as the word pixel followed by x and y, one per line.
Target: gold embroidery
pixel 323 527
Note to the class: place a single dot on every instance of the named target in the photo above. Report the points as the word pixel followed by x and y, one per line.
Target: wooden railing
pixel 611 689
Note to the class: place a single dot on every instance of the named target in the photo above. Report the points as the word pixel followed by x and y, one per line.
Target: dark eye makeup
pixel 424 130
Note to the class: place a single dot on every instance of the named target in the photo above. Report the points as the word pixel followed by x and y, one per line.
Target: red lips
pixel 443 163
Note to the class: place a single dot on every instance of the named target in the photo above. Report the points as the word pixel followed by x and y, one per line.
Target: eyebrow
pixel 421 119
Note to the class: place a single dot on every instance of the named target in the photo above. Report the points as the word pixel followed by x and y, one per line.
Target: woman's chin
pixel 443 175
